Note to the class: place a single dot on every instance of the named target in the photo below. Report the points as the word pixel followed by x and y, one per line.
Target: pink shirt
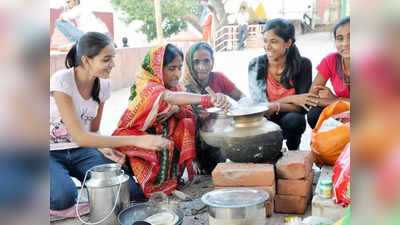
pixel 327 68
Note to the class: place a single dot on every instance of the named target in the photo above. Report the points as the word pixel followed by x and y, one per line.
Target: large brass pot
pixel 251 137
pixel 212 128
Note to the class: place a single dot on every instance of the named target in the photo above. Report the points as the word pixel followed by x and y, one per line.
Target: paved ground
pixel 234 64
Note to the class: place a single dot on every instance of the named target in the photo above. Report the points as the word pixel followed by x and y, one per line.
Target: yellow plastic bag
pixel 327 145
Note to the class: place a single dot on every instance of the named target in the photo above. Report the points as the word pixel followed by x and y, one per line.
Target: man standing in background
pixel 243 20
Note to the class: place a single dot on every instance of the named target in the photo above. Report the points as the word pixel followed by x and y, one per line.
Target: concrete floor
pixel 234 64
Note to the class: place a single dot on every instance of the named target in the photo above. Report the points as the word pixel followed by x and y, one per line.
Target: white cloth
pixel 64 81
pixel 243 18
pixel 85 19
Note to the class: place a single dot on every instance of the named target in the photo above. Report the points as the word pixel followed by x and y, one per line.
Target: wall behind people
pixel 127 65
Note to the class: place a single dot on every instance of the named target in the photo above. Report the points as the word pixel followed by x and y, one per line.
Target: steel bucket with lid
pixel 108 192
pixel 238 206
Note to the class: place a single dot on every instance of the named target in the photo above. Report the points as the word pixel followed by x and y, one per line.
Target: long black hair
pixel 88 45
pixel 339 60
pixel 285 30
pixel 171 52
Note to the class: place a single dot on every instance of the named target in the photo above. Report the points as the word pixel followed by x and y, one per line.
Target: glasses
pixel 206 62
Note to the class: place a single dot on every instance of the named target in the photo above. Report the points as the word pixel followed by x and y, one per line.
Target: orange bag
pixel 327 145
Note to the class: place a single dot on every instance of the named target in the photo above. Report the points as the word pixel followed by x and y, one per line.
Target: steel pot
pixel 212 128
pixel 140 211
pixel 239 206
pixel 251 137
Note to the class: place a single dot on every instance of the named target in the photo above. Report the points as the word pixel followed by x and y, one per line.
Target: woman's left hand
pixel 326 96
pixel 165 116
pixel 113 155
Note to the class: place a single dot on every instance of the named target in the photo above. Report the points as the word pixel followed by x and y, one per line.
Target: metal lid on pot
pixel 247 110
pixel 235 197
pixel 106 175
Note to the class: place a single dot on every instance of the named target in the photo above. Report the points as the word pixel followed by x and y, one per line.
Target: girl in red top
pixel 334 67
pixel 199 62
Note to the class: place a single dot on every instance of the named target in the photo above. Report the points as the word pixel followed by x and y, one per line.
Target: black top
pixel 258 75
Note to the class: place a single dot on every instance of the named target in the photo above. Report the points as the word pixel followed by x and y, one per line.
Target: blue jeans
pixel 69 30
pixel 75 163
pixel 243 33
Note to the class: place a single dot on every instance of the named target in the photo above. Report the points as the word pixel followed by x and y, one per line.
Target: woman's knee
pixel 294 122
pixel 313 116
pixel 63 197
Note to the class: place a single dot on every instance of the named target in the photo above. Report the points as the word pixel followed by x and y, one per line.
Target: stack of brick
pixel 250 175
pixel 294 186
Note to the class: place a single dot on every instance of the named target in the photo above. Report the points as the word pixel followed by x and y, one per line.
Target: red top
pixel 327 68
pixel 275 90
pixel 219 83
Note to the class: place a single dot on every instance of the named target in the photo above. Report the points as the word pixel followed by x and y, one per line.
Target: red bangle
pixel 206 101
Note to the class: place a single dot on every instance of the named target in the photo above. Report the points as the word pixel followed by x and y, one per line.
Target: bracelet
pixel 206 101
pixel 279 108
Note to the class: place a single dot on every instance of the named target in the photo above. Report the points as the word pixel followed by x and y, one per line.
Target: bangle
pixel 206 101
pixel 279 108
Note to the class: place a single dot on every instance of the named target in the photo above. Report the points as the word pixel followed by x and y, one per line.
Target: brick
pixel 300 187
pixel 243 175
pixel 294 165
pixel 269 207
pixel 270 189
pixel 291 204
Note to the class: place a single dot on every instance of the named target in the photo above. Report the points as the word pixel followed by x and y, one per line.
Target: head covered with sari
pixel 156 171
pixel 190 78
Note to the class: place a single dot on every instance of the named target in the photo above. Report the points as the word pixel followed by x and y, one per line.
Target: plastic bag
pixel 327 145
pixel 341 178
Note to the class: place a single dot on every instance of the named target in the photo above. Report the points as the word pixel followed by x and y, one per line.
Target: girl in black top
pixel 282 77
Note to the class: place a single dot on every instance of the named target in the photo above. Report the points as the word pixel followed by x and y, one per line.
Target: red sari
pixel 153 172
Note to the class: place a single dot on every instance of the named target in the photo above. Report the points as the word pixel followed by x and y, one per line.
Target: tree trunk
pixel 220 11
pixel 157 9
pixel 194 20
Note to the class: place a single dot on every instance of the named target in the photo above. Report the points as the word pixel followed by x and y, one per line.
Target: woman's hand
pixel 326 96
pixel 325 92
pixel 152 142
pixel 113 155
pixel 165 116
pixel 305 100
pixel 272 108
pixel 221 101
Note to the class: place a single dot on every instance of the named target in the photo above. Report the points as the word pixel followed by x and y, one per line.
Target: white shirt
pixel 243 18
pixel 64 81
pixel 85 19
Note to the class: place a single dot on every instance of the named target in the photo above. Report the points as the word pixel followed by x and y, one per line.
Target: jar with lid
pixel 325 188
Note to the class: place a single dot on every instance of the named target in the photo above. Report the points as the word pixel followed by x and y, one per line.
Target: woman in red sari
pixel 160 107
